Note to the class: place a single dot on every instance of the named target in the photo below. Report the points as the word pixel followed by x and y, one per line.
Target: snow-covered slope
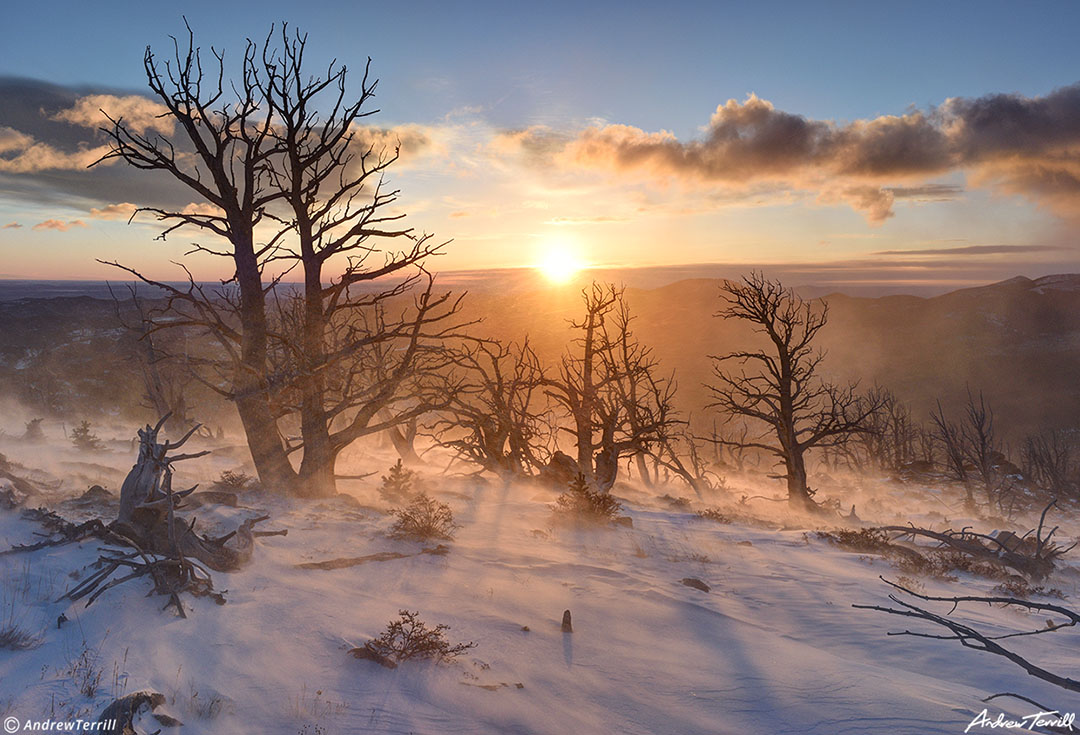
pixel 773 647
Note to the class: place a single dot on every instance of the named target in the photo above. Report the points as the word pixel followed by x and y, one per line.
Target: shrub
pixel 234 481
pixel 33 432
pixel 13 638
pixel 423 519
pixel 715 514
pixel 398 484
pixel 84 439
pixel 581 503
pixel 409 637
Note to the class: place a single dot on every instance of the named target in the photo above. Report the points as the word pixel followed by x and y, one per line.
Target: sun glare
pixel 560 265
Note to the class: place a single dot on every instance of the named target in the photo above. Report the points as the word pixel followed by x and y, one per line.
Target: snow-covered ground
pixel 773 647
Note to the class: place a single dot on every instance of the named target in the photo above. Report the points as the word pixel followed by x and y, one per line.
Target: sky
pixel 859 143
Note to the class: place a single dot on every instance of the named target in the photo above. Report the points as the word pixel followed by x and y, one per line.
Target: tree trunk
pixel 798 490
pixel 250 383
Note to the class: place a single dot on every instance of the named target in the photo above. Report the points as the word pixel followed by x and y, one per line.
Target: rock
pixel 695 583
pixel 744 543
pixel 120 715
pixel 96 494
pixel 525 629
pixel 560 471
pixel 624 521
pixel 363 652
pixel 567 626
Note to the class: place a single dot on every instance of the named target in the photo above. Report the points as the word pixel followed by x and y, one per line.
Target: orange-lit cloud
pixel 123 210
pixel 11 226
pixel 31 156
pixel 59 225
pixel 139 113
pixel 1013 144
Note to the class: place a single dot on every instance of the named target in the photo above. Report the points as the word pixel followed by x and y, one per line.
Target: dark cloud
pixel 49 136
pixel 1011 143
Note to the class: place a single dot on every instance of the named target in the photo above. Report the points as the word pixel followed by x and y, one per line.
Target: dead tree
pixel 888 439
pixel 973 453
pixel 969 637
pixel 1050 460
pixel 782 389
pixel 1033 554
pixel 496 416
pixel 610 387
pixel 151 537
pixel 287 152
pixel 166 380
pixel 680 454
pixel 221 156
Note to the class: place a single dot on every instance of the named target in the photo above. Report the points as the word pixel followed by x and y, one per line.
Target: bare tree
pixel 497 415
pixel 610 386
pixel 166 379
pixel 888 440
pixel 970 637
pixel 783 391
pixel 973 453
pixel 338 209
pixel 1050 460
pixel 221 155
pixel 290 155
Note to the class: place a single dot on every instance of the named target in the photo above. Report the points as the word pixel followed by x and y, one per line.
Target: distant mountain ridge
pixel 1017 340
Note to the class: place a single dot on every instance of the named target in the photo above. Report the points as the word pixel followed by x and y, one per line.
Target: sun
pixel 560 264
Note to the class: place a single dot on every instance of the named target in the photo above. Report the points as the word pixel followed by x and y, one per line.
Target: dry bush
pixel 408 637
pixel 14 638
pixel 398 485
pixel 235 482
pixel 872 540
pixel 581 503
pixel 715 514
pixel 85 671
pixel 1017 586
pixel 936 563
pixel 423 519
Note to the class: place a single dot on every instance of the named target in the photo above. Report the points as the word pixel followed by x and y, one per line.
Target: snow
pixel 774 647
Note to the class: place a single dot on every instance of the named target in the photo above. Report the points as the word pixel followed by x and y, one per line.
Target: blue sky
pixel 470 72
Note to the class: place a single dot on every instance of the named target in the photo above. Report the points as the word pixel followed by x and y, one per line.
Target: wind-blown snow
pixel 774 647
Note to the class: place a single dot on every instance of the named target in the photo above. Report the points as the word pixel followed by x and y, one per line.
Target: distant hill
pixel 1017 340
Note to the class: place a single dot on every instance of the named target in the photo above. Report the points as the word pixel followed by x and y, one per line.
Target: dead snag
pixel 969 637
pixel 1032 556
pixel 153 539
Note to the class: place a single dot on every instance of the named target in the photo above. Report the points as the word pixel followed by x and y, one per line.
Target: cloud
pixel 59 225
pixel 204 208
pixel 123 210
pixel 11 226
pixel 13 140
pixel 1009 143
pixel 411 141
pixel 140 114
pixel 20 154
pixel 977 250
pixel 927 192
